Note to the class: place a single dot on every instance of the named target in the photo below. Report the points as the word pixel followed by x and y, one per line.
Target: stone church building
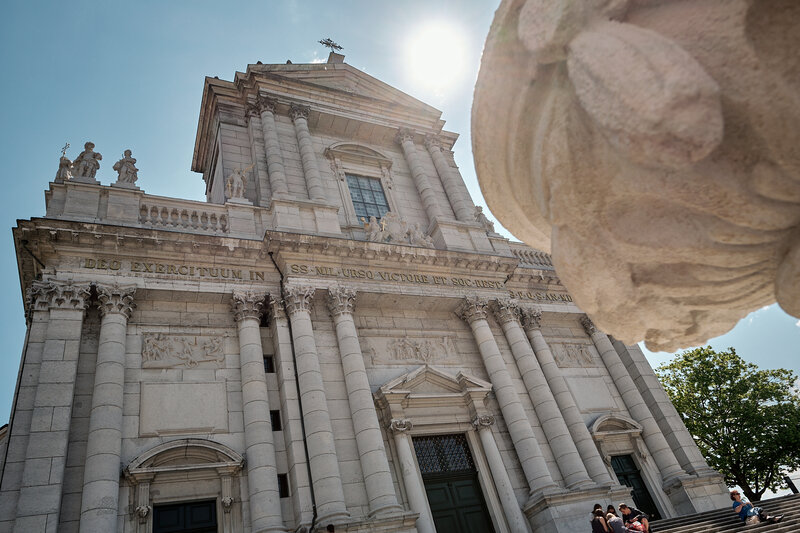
pixel 337 336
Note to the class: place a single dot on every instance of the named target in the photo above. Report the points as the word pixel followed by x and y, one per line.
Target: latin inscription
pixel 190 271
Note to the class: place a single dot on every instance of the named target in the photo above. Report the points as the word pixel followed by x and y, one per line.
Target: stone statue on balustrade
pixel 373 229
pixel 64 172
pixel 236 185
pixel 481 219
pixel 656 160
pixel 127 171
pixel 86 165
pixel 417 238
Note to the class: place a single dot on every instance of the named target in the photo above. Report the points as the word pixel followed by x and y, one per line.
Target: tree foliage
pixel 745 421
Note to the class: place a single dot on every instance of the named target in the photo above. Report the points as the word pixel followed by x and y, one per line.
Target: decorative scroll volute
pixel 113 299
pixel 483 421
pixel 247 304
pixel 400 425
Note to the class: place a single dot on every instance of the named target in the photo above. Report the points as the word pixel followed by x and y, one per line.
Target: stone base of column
pixel 464 236
pixel 294 216
pixel 402 522
pixel 695 494
pixel 569 511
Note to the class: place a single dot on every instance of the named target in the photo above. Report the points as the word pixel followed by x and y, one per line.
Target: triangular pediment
pixel 428 379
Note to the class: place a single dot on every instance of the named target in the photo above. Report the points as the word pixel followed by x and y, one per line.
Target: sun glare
pixel 436 56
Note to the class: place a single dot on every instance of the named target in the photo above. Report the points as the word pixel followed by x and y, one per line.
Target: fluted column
pixel 100 501
pixel 454 187
pixel 275 168
pixel 555 429
pixel 369 440
pixel 653 438
pixel 406 139
pixel 299 115
pixel 563 397
pixel 516 520
pixel 262 473
pixel 473 311
pixel 39 503
pixel 319 433
pixel 415 488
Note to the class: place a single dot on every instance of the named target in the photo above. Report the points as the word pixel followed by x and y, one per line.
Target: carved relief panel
pixel 164 350
pixel 573 355
pixel 410 349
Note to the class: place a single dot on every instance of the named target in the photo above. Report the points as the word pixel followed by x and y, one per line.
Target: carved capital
pixel 265 103
pixel 275 308
pixel 483 421
pixel 505 311
pixel 341 300
pixel 299 298
pixel 44 295
pixel 433 143
pixel 472 309
pixel 400 425
pixel 115 299
pixel 531 318
pixel 588 325
pixel 142 511
pixel 226 502
pixel 299 111
pixel 404 134
pixel 247 304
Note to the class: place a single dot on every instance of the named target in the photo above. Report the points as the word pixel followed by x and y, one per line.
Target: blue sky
pixel 130 75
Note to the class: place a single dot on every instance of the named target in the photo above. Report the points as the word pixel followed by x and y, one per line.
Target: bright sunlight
pixel 436 56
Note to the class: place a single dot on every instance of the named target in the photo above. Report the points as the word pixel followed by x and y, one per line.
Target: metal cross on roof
pixel 64 150
pixel 330 44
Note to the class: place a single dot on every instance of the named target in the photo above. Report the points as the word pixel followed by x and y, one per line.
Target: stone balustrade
pixel 530 257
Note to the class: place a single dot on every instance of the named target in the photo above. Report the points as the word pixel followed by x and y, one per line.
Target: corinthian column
pixel 531 320
pixel 39 502
pixel 319 432
pixel 100 501
pixel 275 169
pixel 262 474
pixel 555 429
pixel 369 440
pixel 415 488
pixel 299 115
pixel 473 311
pixel 653 438
pixel 406 139
pixel 516 520
pixel 453 184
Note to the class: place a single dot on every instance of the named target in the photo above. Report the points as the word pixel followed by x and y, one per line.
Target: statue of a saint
pixel 126 169
pixel 64 170
pixel 236 183
pixel 417 238
pixel 86 164
pixel 373 229
pixel 481 219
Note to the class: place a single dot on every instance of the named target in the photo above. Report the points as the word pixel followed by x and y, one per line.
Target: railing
pixel 531 258
pixel 159 216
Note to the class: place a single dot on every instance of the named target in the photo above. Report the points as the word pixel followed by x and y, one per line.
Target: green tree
pixel 745 421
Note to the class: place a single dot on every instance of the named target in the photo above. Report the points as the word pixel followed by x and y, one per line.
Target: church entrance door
pixel 629 475
pixel 451 483
pixel 189 517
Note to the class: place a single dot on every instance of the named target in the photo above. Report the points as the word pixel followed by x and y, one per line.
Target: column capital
pixel 588 325
pixel 275 308
pixel 433 142
pixel 505 310
pixel 299 298
pixel 298 111
pixel 247 304
pixel 404 134
pixel 113 299
pixel 52 294
pixel 341 300
pixel 472 309
pixel 265 103
pixel 531 318
pixel 400 425
pixel 483 421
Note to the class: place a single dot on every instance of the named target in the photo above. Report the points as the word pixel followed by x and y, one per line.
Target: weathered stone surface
pixel 653 148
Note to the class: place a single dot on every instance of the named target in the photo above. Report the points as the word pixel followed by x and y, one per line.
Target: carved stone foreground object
pixel 652 147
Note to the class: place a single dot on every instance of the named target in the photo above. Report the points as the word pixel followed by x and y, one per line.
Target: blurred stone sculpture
pixel 64 172
pixel 127 173
pixel 483 220
pixel 86 164
pixel 236 184
pixel 653 146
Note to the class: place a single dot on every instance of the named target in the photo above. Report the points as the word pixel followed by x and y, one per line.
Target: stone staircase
pixel 726 520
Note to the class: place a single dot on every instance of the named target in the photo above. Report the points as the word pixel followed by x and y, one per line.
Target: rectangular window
pixel 283 485
pixel 275 419
pixel 269 364
pixel 368 197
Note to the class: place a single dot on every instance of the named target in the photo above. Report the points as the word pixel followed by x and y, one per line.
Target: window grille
pixel 368 197
pixel 443 453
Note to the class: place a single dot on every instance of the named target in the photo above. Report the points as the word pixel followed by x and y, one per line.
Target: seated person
pixel 632 514
pixel 748 512
pixel 615 524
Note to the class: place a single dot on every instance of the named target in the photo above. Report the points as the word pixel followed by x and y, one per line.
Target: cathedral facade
pixel 337 336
